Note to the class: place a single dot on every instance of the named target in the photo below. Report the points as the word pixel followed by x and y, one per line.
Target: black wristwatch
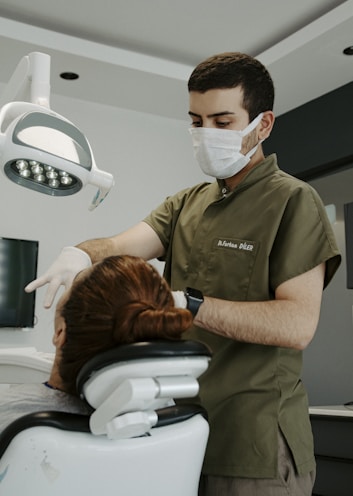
pixel 194 298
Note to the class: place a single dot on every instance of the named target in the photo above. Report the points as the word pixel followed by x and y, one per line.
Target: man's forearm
pixel 290 320
pixel 140 241
pixel 275 323
pixel 97 249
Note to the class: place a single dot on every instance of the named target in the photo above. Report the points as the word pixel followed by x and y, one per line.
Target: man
pixel 255 250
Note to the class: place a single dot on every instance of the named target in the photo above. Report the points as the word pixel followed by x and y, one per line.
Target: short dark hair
pixel 232 69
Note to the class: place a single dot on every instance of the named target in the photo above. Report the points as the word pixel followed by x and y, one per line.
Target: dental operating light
pixel 40 149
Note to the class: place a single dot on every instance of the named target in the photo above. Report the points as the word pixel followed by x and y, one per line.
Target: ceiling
pixel 138 54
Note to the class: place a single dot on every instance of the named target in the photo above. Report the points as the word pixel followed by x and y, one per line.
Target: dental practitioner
pixel 249 255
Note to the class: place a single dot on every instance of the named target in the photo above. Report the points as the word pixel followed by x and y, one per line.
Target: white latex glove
pixel 179 299
pixel 62 272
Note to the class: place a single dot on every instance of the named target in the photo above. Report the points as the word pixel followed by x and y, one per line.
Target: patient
pixel 119 300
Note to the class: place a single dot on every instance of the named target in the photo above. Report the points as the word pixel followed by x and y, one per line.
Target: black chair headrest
pixel 142 350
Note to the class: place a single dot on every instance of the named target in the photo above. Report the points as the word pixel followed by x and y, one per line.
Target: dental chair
pixel 24 365
pixel 136 442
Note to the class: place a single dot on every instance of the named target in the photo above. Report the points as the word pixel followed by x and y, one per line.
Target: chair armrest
pixel 59 420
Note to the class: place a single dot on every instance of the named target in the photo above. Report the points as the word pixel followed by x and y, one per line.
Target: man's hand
pixel 62 272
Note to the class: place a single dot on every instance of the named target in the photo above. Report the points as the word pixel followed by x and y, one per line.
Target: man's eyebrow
pixel 217 114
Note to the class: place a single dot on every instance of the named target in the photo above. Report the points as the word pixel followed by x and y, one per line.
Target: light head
pixel 42 150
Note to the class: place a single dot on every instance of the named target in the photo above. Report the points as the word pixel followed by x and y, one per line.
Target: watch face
pixel 194 293
pixel 194 299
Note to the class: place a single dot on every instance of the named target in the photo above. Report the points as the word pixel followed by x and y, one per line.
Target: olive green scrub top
pixel 241 246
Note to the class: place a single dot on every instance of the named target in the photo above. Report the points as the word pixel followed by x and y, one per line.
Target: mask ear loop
pixel 248 130
pixel 253 150
pixel 251 126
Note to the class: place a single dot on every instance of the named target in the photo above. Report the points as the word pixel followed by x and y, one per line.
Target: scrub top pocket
pixel 231 259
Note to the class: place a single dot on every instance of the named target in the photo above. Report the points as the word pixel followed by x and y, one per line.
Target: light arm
pixel 30 81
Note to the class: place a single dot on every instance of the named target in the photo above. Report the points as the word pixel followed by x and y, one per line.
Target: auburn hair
pixel 121 300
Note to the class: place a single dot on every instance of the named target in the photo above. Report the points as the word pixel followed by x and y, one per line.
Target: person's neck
pixel 232 182
pixel 55 381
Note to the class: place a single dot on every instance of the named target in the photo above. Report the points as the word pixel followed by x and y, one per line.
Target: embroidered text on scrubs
pixel 236 246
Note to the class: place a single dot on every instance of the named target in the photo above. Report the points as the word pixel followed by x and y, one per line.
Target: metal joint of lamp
pixel 40 149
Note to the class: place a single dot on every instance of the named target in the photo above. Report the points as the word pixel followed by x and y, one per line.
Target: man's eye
pixel 223 124
pixel 196 124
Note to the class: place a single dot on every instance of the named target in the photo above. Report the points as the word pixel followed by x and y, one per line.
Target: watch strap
pixel 194 299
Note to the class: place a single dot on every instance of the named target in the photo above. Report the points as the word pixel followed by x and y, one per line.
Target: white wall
pixel 150 158
pixel 328 361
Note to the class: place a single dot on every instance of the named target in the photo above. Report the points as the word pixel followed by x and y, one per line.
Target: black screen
pixel 18 266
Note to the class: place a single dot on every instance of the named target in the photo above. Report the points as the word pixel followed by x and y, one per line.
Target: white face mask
pixel 217 151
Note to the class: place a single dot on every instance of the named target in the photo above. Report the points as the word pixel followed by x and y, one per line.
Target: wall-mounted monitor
pixel 18 266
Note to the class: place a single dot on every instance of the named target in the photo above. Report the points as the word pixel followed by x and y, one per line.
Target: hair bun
pixel 143 321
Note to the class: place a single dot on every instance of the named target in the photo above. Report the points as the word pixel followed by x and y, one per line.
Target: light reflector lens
pixel 35 175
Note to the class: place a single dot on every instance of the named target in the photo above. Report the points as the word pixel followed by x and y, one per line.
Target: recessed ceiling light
pixel 69 76
pixel 348 50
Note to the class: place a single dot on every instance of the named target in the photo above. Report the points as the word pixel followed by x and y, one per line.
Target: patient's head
pixel 119 300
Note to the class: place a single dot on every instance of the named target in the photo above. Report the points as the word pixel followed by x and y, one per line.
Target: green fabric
pixel 240 246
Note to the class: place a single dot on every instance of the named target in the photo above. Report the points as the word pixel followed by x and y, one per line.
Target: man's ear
pixel 266 124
